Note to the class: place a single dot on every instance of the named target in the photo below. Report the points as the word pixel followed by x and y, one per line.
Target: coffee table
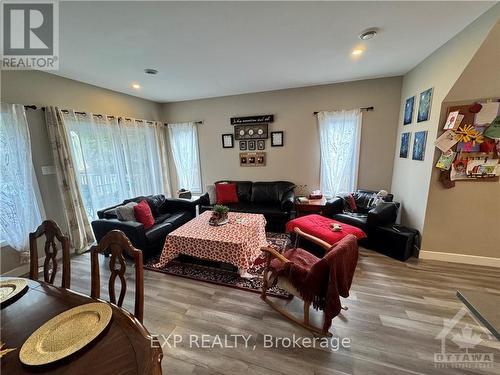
pixel 238 242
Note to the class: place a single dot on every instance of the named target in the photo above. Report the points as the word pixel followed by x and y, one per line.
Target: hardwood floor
pixel 395 311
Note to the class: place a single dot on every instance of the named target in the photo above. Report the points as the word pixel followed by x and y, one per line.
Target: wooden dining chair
pixel 51 230
pixel 115 243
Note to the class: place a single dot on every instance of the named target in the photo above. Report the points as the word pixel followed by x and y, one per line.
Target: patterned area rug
pixel 224 274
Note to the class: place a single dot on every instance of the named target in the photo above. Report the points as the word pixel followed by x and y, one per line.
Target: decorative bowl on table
pixel 219 215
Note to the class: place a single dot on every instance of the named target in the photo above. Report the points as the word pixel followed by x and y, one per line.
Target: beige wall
pixel 41 89
pixel 411 179
pixel 298 160
pixel 465 219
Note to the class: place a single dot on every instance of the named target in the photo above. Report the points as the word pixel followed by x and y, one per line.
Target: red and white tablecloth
pixel 238 242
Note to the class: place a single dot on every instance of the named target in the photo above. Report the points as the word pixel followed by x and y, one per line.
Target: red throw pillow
pixel 226 193
pixel 144 215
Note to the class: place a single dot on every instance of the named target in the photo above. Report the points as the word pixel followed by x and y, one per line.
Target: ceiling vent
pixel 151 71
pixel 368 34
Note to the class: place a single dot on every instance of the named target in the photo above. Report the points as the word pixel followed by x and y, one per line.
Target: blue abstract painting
pixel 405 145
pixel 408 117
pixel 424 105
pixel 419 145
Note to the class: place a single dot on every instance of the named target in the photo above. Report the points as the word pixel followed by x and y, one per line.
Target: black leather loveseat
pixel 168 213
pixel 366 215
pixel 274 200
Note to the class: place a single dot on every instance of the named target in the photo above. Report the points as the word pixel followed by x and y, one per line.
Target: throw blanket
pixel 326 280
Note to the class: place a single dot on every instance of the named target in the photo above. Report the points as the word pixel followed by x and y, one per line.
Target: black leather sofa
pixel 367 217
pixel 168 213
pixel 275 200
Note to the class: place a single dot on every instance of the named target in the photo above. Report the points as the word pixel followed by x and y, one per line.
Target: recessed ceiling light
pixel 357 51
pixel 368 34
pixel 136 86
pixel 151 71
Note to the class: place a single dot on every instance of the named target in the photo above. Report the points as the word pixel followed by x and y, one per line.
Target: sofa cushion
pixel 212 195
pixel 226 193
pixel 155 202
pixel 158 232
pixel 352 218
pixel 110 214
pixel 126 212
pixel 179 218
pixel 264 209
pixel 265 192
pixel 161 218
pixel 144 215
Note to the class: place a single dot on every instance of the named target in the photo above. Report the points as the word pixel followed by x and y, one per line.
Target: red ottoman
pixel 320 226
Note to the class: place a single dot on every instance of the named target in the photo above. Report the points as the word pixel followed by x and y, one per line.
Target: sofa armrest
pixel 334 206
pixel 383 214
pixel 172 205
pixel 132 229
pixel 288 201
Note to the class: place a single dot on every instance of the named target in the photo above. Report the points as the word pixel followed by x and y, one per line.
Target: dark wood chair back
pixel 115 243
pixel 51 230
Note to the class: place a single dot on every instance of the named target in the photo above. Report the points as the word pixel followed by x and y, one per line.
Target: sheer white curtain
pixel 115 159
pixel 339 134
pixel 184 145
pixel 20 213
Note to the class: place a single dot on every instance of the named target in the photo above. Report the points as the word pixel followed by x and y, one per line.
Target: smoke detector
pixel 368 34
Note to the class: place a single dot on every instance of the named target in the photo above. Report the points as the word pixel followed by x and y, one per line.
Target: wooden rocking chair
pixel 284 283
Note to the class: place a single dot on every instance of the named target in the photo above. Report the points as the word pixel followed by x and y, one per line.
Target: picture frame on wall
pixel 419 143
pixel 277 139
pixel 408 113
pixel 251 145
pixel 243 145
pixel 424 105
pixel 261 144
pixel 227 141
pixel 405 145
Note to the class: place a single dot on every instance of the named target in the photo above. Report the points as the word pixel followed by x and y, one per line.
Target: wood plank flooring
pixel 395 311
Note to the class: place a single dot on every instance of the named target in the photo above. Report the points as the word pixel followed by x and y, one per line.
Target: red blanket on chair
pixel 323 282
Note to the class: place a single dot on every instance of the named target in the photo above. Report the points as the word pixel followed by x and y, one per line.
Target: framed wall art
pixel 424 105
pixel 243 145
pixel 419 143
pixel 252 159
pixel 227 141
pixel 405 145
pixel 251 145
pixel 277 139
pixel 408 114
pixel 261 144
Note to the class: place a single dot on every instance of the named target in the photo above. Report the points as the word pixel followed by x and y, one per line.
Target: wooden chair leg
pixel 306 312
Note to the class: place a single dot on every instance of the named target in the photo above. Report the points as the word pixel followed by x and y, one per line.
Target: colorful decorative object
pixel 467 133
pixel 405 145
pixel 419 143
pixel 408 116
pixel 219 215
pixel 424 105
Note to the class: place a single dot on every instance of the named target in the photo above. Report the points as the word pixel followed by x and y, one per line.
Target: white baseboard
pixel 460 258
pixel 17 272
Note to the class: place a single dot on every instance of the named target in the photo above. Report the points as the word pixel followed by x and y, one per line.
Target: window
pixel 20 211
pixel 114 159
pixel 184 145
pixel 339 134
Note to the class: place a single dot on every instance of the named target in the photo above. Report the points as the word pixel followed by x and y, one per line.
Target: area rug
pixel 222 274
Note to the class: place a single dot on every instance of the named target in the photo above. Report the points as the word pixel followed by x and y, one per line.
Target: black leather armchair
pixel 169 214
pixel 366 215
pixel 275 200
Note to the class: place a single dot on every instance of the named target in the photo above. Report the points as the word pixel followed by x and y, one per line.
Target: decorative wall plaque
pixel 260 119
pixel 258 131
pixel 252 159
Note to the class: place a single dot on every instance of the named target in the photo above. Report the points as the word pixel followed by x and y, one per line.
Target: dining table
pixel 124 347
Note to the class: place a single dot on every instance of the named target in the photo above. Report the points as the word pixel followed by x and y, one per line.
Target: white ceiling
pixel 211 49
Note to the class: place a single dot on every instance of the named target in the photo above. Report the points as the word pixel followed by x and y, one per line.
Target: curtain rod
pixel 99 115
pixel 367 109
pixel 31 106
pixel 195 122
